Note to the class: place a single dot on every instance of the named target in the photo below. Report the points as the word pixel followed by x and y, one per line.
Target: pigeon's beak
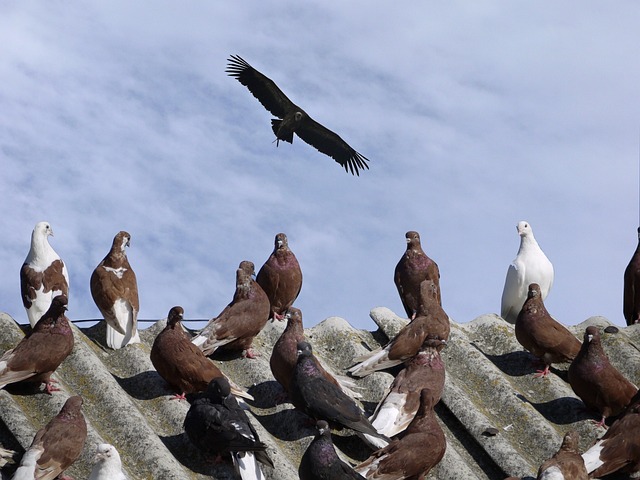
pixel 408 240
pixel 280 243
pixel 589 338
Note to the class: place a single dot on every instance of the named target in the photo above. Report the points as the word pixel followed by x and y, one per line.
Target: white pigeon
pixel 531 265
pixel 6 456
pixel 107 464
pixel 27 468
pixel 43 274
pixel 114 289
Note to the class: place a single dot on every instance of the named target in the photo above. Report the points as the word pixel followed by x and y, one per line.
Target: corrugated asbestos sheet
pixel 490 385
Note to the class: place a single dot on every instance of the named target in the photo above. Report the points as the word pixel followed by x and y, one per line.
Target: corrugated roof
pixel 489 383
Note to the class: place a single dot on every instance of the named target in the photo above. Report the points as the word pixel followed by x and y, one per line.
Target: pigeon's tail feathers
pixel 27 468
pixel 373 361
pixel 116 340
pixel 248 466
pixel 389 418
pixel 592 457
pixel 374 442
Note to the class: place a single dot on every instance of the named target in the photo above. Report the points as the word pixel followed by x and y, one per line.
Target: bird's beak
pixel 589 338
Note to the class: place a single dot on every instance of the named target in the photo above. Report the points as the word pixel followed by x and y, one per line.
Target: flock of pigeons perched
pixel 402 424
pixel 403 432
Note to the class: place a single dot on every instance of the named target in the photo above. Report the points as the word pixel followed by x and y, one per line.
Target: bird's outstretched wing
pixel 330 143
pixel 262 87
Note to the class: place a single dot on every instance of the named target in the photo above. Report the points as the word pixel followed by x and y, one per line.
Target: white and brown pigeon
pixel 413 268
pixel 59 443
pixel 240 321
pixel 401 400
pixel 280 277
pixel 430 320
pixel 566 463
pixel 417 450
pixel 43 274
pixel 115 290
pixel 42 351
pixel 596 381
pixel 531 265
pixel 543 336
pixel 619 449
pixel 107 464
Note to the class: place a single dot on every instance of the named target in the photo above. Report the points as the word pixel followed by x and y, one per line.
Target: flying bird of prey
pixel 43 274
pixel 292 118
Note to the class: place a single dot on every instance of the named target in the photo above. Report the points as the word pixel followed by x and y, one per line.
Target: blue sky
pixel 119 116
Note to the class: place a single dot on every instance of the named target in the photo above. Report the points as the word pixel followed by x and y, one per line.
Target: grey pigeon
pixel 43 274
pixel 320 460
pixel 531 265
pixel 599 384
pixel 413 268
pixel 280 277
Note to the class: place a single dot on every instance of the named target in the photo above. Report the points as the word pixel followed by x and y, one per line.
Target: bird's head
pixel 534 290
pixel 413 239
pixel 104 452
pixel 280 241
pixel 176 314
pixel 523 228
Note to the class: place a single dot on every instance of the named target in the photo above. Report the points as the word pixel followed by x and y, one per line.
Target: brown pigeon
pixel 58 444
pixel 43 274
pixel 619 449
pixel 415 453
pixel 320 460
pixel 631 297
pixel 567 463
pixel 180 362
pixel 40 353
pixel 321 399
pixel 431 320
pixel 598 383
pixel 285 356
pixel 414 267
pixel 402 399
pixel 541 335
pixel 280 277
pixel 115 290
pixel 241 320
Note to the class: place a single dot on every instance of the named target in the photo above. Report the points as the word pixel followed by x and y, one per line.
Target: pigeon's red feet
pixel 542 373
pixel 179 396
pixel 249 353
pixel 277 316
pixel 49 386
pixel 600 423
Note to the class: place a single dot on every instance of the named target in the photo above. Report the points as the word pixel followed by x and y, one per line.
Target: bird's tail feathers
pixel 284 136
pixel 116 340
pixel 248 466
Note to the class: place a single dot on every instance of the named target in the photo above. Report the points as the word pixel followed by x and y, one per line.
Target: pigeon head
pixel 534 290
pixel 43 229
pixel 592 333
pixel 175 315
pixel 323 428
pixel 71 407
pixel 304 349
pixel 247 267
pixel 121 241
pixel 104 452
pixel 413 239
pixel 524 228
pixel 294 314
pixel 218 389
pixel 281 242
pixel 571 441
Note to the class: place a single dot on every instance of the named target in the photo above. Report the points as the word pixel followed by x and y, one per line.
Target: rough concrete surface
pixel 489 385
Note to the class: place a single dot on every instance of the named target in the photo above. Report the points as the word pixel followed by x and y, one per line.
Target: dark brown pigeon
pixel 293 119
pixel 280 277
pixel 431 320
pixel 42 351
pixel 415 453
pixel 413 268
pixel 320 460
pixel 567 463
pixel 241 320
pixel 631 297
pixel 284 356
pixel 598 383
pixel 43 274
pixel 619 449
pixel 216 424
pixel 180 362
pixel 401 401
pixel 58 444
pixel 321 399
pixel 114 288
pixel 541 335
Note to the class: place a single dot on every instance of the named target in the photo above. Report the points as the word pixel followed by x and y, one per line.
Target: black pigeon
pixel 314 394
pixel 293 118
pixel 631 292
pixel 216 424
pixel 321 462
